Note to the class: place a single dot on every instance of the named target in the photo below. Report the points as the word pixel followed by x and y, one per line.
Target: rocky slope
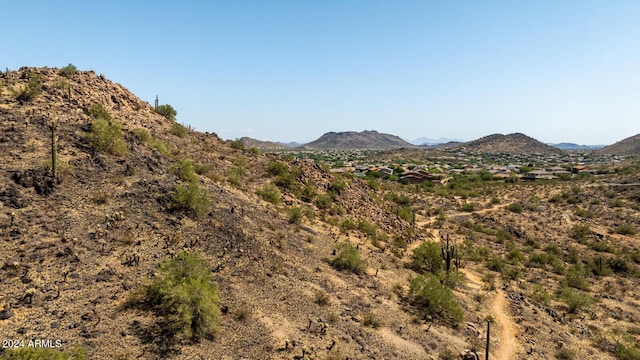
pixel 509 144
pixel 626 147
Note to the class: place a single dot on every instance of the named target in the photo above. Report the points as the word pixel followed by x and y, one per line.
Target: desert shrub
pixel 107 135
pixel 287 180
pixel 580 232
pixel 179 130
pixel 349 259
pixel 276 168
pixel 625 229
pixel 496 263
pixel 42 353
pixel 235 175
pixel 348 224
pixel 515 207
pixel 598 266
pixel 337 186
pixel 367 227
pixel 68 71
pixel 427 257
pixel 405 213
pixel 237 144
pixel 468 207
pixel 167 111
pixel 270 193
pixel 324 201
pixel 321 298
pixel 309 191
pixel 160 146
pixel 184 169
pixel 565 354
pixel 540 295
pixel 295 215
pixel 623 352
pixel 575 278
pixel 574 299
pixel 98 111
pixel 191 198
pixel 141 134
pixel 434 299
pixel 371 320
pixel 186 296
pixel 502 236
pixel 619 264
pixel 584 213
pixel 29 92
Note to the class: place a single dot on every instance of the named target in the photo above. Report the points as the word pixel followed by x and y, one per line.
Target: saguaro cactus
pixel 450 255
pixel 54 148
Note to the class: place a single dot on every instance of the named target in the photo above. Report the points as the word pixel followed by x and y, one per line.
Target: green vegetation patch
pixel 434 299
pixel 349 259
pixel 185 296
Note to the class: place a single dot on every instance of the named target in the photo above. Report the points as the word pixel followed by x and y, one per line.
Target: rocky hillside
pixel 261 145
pixel 76 248
pixel 627 147
pixel 516 143
pixel 371 140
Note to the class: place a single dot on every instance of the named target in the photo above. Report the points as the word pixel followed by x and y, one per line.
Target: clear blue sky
pixel 293 70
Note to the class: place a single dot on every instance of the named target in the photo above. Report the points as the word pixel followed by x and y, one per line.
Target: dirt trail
pixel 503 328
pixel 506 349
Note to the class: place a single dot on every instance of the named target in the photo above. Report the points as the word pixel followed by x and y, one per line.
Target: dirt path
pixel 503 328
pixel 506 349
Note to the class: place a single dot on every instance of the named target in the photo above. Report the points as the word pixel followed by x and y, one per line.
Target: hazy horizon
pixel 292 71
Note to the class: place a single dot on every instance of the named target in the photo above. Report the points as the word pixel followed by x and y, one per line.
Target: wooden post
pixel 486 352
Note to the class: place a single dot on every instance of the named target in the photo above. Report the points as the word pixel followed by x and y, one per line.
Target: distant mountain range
pixel 516 143
pixel 572 146
pixel 423 141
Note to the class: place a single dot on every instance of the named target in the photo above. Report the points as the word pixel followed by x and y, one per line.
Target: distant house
pixel 539 175
pixel 584 169
pixel 386 171
pixel 419 176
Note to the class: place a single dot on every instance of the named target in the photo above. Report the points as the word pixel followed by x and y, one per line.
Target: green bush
pixel 468 207
pixel 36 353
pixel 185 170
pixel 575 278
pixel 276 168
pixel 367 227
pixel 270 193
pixel 179 130
pixel 142 134
pixel 107 135
pixel 237 144
pixel 626 229
pixel 433 298
pixel 349 259
pixel 185 296
pixel 68 71
pixel 191 198
pixel 574 299
pixel 580 232
pixel 627 352
pixel 98 111
pixel 167 111
pixel 235 175
pixel 309 191
pixel 324 201
pixel 515 207
pixel 160 146
pixel 427 257
pixel 29 92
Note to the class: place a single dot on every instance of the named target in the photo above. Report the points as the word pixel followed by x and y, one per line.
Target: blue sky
pixel 293 70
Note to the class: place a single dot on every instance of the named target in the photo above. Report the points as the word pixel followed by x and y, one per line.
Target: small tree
pixel 68 71
pixel 427 258
pixel 433 298
pixel 349 259
pixel 167 111
pixel 186 296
